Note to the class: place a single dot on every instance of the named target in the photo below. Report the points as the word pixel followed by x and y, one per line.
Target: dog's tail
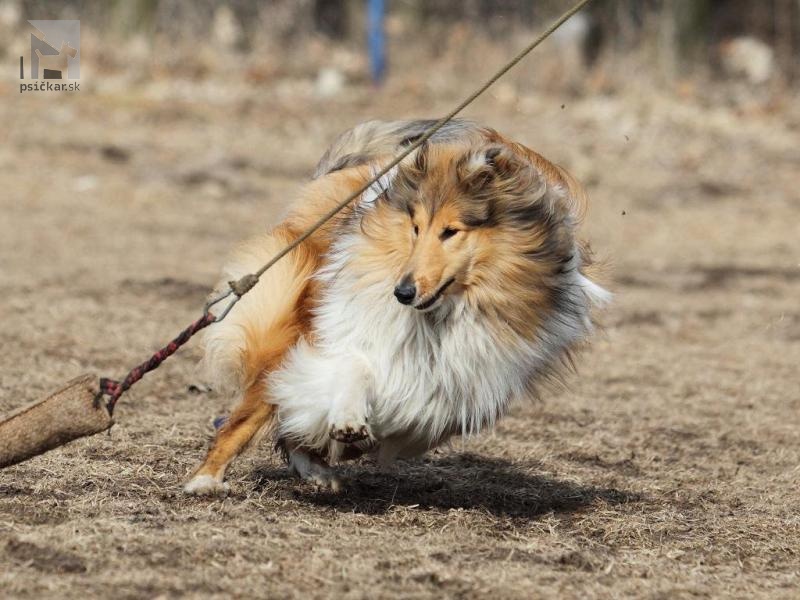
pixel 265 322
pixel 373 139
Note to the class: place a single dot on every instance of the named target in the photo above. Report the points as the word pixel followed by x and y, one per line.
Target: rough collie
pixel 453 286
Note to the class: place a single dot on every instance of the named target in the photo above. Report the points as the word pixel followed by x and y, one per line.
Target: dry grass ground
pixel 668 468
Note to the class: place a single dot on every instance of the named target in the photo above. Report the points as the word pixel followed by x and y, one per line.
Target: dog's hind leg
pixel 249 420
pixel 253 415
pixel 250 344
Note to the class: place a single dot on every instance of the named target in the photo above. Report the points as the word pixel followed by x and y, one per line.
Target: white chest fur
pixel 417 377
pixel 434 374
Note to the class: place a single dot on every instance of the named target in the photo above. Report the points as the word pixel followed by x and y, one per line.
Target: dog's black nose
pixel 405 292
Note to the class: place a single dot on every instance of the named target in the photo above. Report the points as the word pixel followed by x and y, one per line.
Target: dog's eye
pixel 447 233
pixel 416 230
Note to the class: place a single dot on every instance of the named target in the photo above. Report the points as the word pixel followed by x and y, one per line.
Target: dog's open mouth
pixel 435 296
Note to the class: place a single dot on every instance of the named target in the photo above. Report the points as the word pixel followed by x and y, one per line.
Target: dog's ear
pixel 498 179
pixel 413 169
pixel 494 169
pixel 516 179
pixel 575 197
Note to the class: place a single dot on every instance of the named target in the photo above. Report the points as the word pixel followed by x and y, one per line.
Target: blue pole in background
pixel 376 40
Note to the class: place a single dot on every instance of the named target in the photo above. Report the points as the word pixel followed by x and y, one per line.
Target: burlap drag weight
pixel 68 414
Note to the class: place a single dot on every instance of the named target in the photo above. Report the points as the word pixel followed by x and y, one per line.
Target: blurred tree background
pixel 755 44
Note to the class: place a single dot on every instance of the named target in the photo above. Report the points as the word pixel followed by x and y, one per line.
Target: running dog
pixel 453 286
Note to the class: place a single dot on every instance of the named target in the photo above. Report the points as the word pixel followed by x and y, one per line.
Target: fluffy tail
pixel 265 322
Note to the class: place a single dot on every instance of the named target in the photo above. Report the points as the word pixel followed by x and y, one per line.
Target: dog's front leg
pixel 348 417
pixel 310 466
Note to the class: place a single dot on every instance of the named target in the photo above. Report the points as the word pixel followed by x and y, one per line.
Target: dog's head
pixel 494 223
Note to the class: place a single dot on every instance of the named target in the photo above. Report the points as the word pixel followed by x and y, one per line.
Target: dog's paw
pixel 350 433
pixel 326 481
pixel 314 471
pixel 205 485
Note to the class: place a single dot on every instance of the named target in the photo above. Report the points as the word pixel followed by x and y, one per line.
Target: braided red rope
pixel 114 389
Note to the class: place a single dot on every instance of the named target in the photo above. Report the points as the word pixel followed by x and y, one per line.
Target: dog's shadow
pixel 466 481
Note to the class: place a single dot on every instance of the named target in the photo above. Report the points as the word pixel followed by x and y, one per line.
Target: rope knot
pixel 241 286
